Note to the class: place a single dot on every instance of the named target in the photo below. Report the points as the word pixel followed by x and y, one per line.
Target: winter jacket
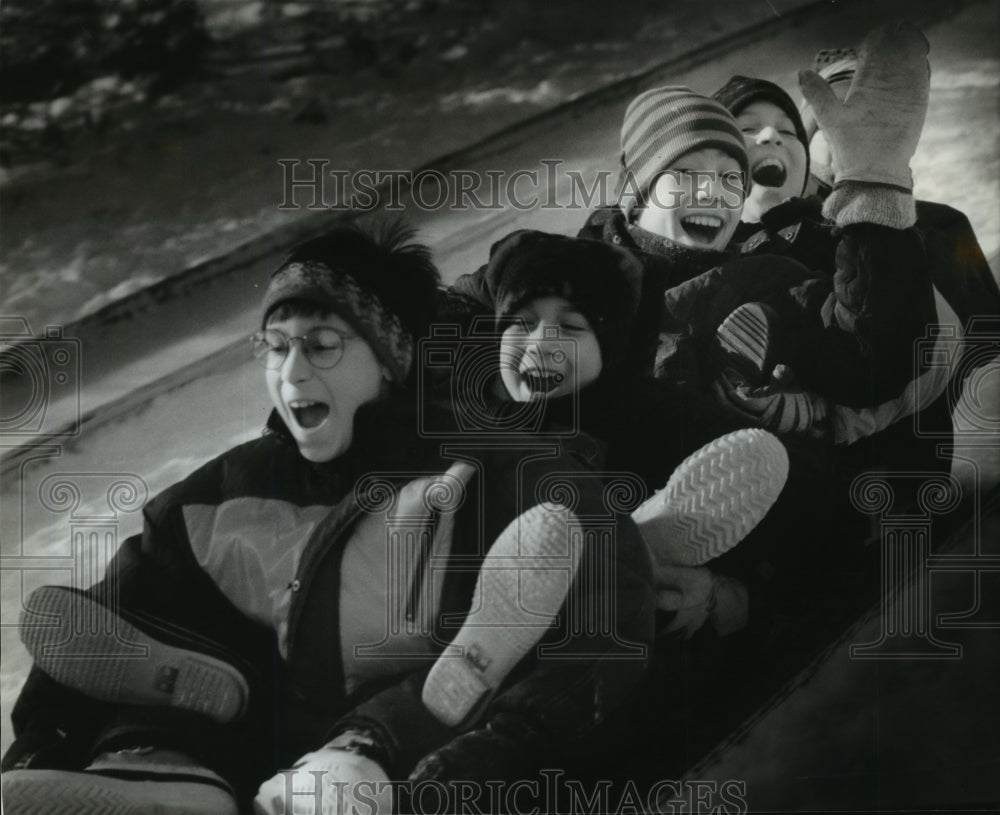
pixel 838 298
pixel 963 285
pixel 846 340
pixel 261 546
pixel 957 266
pixel 961 277
pixel 648 425
pixel 948 344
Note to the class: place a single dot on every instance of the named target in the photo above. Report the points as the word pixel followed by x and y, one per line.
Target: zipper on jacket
pixel 313 553
pixel 417 580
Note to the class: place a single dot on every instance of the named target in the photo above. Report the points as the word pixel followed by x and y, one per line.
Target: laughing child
pixel 575 348
pixel 268 617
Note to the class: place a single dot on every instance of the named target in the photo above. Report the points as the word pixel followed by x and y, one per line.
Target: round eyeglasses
pixel 323 347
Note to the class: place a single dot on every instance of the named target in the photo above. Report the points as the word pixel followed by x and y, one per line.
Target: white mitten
pixel 874 132
pixel 328 781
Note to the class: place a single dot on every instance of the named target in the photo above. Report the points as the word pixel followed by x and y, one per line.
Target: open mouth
pixel 309 413
pixel 702 228
pixel 769 172
pixel 541 383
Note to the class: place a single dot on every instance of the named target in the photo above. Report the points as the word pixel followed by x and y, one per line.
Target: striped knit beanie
pixel 663 124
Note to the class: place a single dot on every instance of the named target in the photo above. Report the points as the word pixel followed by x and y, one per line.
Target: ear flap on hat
pixel 634 273
pixel 501 254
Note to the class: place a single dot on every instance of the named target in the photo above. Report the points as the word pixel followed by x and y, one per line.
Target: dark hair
pixel 741 91
pixel 299 307
pixel 385 259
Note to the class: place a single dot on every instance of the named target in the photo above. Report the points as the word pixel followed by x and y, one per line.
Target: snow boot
pixel 129 782
pixel 129 658
pixel 714 498
pixel 523 582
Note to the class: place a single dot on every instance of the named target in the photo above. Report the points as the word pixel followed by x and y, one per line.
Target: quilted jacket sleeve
pixel 881 303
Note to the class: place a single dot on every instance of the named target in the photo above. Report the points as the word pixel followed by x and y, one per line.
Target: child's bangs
pixel 298 307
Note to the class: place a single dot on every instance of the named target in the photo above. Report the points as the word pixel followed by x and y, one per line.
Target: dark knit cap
pixel 378 280
pixel 663 124
pixel 602 281
pixel 741 91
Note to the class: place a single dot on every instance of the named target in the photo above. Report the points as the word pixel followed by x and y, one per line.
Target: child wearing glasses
pixel 267 637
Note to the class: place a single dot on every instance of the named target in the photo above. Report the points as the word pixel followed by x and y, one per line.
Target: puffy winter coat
pixel 260 547
pixel 955 339
pixel 838 295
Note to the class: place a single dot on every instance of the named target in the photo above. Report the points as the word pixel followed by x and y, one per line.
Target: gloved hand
pixel 480 755
pixel 686 591
pixel 874 132
pixel 698 596
pixel 780 406
pixel 731 609
pixel 328 781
